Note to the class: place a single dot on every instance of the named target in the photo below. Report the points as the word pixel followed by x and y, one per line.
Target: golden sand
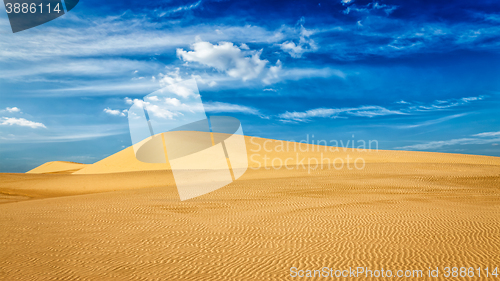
pixel 121 219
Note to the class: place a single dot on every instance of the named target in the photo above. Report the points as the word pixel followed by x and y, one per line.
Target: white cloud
pixel 172 80
pixel 173 101
pixel 128 100
pixel 226 57
pixel 295 51
pixel 114 112
pixel 7 121
pixel 274 73
pixel 10 110
pixel 158 110
pixel 153 98
pixel 297 47
pixel 13 109
pixel 181 90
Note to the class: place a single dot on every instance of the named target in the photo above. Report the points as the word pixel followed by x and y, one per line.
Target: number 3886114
pixel 31 8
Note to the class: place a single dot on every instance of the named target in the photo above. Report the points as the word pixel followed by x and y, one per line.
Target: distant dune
pixel 57 167
pixel 258 148
pixel 121 219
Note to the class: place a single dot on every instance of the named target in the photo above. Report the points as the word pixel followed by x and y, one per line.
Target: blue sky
pixel 413 75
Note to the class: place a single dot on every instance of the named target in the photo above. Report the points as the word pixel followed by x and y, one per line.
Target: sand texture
pixel 121 219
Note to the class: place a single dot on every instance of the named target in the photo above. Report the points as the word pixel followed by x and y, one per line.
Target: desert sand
pixel 121 219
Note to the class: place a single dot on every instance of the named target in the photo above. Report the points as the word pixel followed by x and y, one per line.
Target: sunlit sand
pixel 121 219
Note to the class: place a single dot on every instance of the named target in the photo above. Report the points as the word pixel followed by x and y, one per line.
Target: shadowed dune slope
pixel 123 161
pixel 55 185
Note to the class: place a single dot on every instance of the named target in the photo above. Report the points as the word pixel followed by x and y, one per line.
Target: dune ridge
pixel 258 148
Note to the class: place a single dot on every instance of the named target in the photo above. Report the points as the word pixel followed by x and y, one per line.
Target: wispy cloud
pixel 370 7
pixel 487 134
pixel 56 134
pixel 481 138
pixel 120 35
pixel 101 88
pixel 10 121
pixel 445 104
pixel 179 9
pixel 430 122
pixel 438 144
pixel 89 67
pixel 270 90
pixel 375 110
pixel 362 111
pixel 213 107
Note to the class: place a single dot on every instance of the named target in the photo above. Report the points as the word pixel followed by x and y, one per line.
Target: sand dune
pixel 57 167
pixel 259 148
pixel 403 210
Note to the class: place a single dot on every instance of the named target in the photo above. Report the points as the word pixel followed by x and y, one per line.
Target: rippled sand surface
pixel 404 210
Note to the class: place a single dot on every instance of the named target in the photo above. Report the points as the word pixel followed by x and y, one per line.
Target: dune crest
pixel 270 153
